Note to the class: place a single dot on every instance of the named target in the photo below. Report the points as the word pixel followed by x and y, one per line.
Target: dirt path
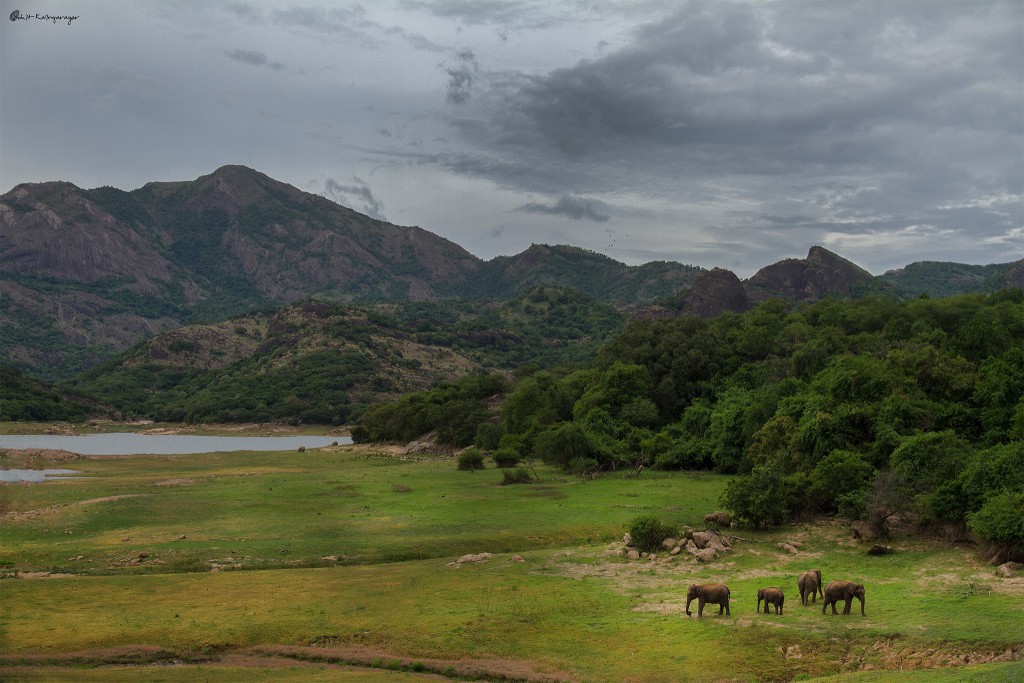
pixel 52 509
pixel 275 656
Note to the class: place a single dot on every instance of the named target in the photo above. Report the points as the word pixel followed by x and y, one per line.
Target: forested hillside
pixel 861 408
pixel 323 362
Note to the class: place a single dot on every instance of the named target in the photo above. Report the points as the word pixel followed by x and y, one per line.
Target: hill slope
pixel 86 273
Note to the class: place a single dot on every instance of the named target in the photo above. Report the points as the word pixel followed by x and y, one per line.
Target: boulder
pixel 717 518
pixel 702 538
pixel 480 557
pixel 675 551
pixel 706 555
pixel 1009 569
pixel 627 539
pixel 669 543
pixel 788 548
pixel 633 554
pixel 716 545
pixel 691 547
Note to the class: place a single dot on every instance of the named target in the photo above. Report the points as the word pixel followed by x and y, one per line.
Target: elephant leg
pixel 727 612
pixel 721 608
pixel 700 608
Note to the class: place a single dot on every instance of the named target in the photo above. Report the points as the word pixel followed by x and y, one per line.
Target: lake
pixel 124 443
pixel 34 476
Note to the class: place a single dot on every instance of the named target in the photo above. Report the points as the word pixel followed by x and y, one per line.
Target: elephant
pixel 810 584
pixel 842 590
pixel 771 596
pixel 716 593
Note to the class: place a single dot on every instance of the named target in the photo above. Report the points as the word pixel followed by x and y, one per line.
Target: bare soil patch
pixel 181 481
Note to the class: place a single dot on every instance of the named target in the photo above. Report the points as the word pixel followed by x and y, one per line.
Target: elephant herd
pixel 809 584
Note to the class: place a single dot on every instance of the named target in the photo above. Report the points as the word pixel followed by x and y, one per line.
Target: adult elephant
pixel 843 590
pixel 810 585
pixel 715 593
pixel 771 596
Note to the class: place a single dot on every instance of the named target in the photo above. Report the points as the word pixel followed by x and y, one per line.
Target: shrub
pixel 505 457
pixel 471 459
pixel 488 436
pixel 648 532
pixel 583 467
pixel 519 475
pixel 762 498
pixel 1000 523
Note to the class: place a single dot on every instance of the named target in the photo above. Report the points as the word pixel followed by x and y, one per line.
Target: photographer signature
pixel 16 15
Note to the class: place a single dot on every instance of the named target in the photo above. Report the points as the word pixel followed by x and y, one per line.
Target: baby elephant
pixel 716 593
pixel 843 590
pixel 771 596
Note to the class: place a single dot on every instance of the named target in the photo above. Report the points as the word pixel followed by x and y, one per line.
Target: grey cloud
pixel 254 58
pixel 357 196
pixel 834 113
pixel 474 12
pixel 573 207
pixel 461 76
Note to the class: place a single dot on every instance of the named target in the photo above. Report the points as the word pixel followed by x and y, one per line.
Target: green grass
pixel 574 607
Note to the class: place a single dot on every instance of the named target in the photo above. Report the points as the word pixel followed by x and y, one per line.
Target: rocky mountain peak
pixel 821 274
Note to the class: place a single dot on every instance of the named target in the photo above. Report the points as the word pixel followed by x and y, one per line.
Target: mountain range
pixel 85 274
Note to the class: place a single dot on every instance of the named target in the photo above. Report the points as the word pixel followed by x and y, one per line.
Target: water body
pixel 123 443
pixel 33 476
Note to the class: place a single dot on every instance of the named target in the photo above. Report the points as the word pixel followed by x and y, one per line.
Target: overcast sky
pixel 712 133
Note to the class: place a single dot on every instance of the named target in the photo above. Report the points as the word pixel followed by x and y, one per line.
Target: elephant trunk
pixel 688 601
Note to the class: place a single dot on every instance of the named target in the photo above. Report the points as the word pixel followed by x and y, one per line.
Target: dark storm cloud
pixel 835 112
pixel 357 196
pixel 254 58
pixel 573 207
pixel 473 11
pixel 462 71
pixel 351 23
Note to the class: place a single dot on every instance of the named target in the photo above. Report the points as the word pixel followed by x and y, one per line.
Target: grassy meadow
pixel 338 565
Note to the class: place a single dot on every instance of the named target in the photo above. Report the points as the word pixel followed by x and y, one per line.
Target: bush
pixel 762 498
pixel 505 457
pixel 488 436
pixel 471 459
pixel 519 475
pixel 648 532
pixel 1000 523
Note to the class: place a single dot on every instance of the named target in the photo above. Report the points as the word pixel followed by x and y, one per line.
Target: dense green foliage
pixel 26 399
pixel 471 459
pixel 324 363
pixel 807 407
pixel 939 279
pixel 647 532
pixel 453 411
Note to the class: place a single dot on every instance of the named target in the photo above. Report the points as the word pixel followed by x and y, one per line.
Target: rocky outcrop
pixel 821 274
pixel 704 546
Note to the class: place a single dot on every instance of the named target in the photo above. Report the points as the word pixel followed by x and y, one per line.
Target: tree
pixel 1000 524
pixel 762 498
